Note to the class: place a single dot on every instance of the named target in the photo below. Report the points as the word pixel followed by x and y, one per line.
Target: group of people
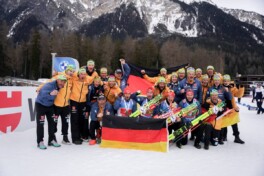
pixel 82 97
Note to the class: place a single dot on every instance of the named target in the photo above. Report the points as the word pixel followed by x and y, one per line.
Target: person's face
pixel 82 76
pixel 198 74
pixel 101 101
pixel 210 72
pixel 103 75
pixel 226 82
pixel 217 82
pixel 97 83
pixel 161 85
pixel 174 79
pixel 170 98
pixel 127 96
pixel 70 72
pixel 60 83
pixel 149 94
pixel 205 82
pixel 189 96
pixel 90 68
pixel 214 98
pixel 163 73
pixel 181 75
pixel 118 75
pixel 111 83
pixel 190 75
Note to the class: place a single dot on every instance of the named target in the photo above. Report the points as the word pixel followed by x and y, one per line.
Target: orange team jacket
pixel 63 97
pixel 204 91
pixel 155 79
pixel 236 93
pixel 211 79
pixel 111 93
pixel 80 88
pixel 217 124
pixel 164 92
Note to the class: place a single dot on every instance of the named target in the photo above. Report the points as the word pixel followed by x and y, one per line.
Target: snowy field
pixel 19 155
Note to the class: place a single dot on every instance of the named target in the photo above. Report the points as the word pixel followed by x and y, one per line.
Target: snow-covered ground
pixel 19 155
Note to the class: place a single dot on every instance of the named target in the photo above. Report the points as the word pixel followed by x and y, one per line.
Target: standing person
pixel 211 72
pixel 44 107
pixel 90 69
pixel 100 108
pixel 61 104
pixel 198 74
pixel 153 80
pixel 103 74
pixel 253 89
pixel 205 87
pixel 174 85
pixel 124 105
pixel 259 98
pixel 191 83
pixel 233 105
pixel 181 74
pixel 191 116
pixel 161 88
pixel 111 90
pixel 79 113
pixel 122 76
pixel 95 89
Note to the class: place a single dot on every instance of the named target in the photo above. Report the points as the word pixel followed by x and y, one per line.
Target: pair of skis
pixel 175 113
pixel 184 130
pixel 149 105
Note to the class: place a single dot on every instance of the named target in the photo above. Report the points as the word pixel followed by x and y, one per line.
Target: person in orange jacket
pixel 181 74
pixel 161 88
pixel 111 90
pixel 205 87
pixel 198 74
pixel 153 80
pixel 211 72
pixel 79 114
pixel 234 91
pixel 61 103
pixel 90 70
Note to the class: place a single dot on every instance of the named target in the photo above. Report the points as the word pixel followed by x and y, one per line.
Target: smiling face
pixel 226 82
pixel 60 83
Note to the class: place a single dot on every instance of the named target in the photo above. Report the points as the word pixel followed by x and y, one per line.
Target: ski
pixel 149 105
pixel 174 113
pixel 178 133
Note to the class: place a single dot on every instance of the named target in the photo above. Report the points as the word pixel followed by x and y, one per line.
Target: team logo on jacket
pixel 8 118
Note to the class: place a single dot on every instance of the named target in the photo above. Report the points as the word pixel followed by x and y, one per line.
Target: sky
pixel 248 5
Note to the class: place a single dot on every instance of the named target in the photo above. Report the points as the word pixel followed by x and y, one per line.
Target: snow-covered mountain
pixel 137 18
pixel 248 17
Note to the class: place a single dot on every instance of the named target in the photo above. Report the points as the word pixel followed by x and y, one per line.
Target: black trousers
pixel 94 125
pixel 64 113
pixel 42 112
pixel 79 123
pixel 175 126
pixel 223 133
pixel 259 105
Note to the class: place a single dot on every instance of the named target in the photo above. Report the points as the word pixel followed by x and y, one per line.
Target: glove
pixel 138 92
pixel 215 109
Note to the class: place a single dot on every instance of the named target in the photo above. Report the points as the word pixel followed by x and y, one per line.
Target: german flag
pixel 135 133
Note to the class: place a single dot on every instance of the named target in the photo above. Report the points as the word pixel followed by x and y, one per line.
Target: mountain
pixel 136 18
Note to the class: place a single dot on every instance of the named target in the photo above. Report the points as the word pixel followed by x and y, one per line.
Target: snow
pixel 20 156
pixel 256 38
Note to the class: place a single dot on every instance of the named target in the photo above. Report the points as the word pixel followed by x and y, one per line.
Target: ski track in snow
pixel 19 155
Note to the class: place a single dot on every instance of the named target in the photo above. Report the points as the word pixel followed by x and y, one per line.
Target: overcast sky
pixel 248 5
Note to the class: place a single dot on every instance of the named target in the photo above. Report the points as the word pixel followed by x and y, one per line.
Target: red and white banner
pixel 17 108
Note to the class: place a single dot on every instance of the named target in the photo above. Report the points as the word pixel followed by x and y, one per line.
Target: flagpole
pixel 53 56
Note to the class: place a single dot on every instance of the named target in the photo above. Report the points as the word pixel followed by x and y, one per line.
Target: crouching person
pixel 98 110
pixel 44 107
